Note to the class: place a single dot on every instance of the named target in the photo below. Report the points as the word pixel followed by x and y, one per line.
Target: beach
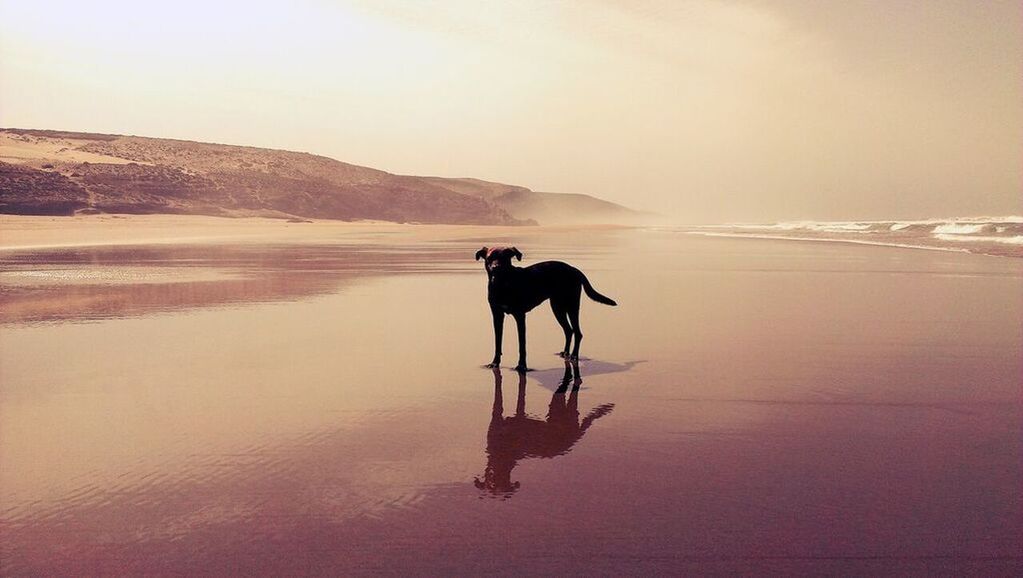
pixel 205 396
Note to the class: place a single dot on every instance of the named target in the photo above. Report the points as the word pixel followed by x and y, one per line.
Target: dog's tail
pixel 592 293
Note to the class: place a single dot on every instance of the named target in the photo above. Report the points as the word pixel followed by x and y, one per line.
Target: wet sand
pixel 315 404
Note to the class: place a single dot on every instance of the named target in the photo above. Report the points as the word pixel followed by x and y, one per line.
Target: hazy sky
pixel 703 110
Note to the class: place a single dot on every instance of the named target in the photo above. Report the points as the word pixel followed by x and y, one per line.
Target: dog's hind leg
pixel 561 315
pixel 573 317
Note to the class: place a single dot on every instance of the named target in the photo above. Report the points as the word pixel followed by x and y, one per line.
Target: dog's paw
pixel 492 365
pixel 522 368
pixel 561 354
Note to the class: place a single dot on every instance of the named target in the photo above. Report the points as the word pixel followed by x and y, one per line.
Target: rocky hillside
pixel 62 173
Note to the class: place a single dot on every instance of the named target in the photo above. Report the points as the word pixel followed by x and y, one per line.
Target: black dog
pixel 517 290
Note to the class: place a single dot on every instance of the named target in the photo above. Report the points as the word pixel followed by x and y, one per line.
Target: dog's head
pixel 497 257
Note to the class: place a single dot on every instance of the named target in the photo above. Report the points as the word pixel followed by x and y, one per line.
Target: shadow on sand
pixel 520 436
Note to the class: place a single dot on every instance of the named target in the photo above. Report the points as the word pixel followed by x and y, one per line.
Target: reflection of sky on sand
pixel 109 282
pixel 93 275
pixel 520 435
pixel 798 408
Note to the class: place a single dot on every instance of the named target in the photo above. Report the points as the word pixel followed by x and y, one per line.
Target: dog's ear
pixel 481 253
pixel 517 254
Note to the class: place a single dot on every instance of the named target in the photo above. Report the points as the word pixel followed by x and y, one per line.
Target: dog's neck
pixel 502 275
pixel 502 269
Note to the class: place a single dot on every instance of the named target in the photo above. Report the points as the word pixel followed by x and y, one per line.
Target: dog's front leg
pixel 498 335
pixel 520 322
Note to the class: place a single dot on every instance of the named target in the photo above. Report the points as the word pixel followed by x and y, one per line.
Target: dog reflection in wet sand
pixel 510 439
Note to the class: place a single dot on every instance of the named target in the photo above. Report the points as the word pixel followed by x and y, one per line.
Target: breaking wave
pixel 987 235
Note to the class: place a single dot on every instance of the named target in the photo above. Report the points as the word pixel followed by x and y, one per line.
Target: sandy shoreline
pixel 262 407
pixel 18 232
pixel 28 233
pixel 37 232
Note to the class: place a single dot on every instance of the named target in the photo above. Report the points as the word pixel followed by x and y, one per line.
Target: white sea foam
pixel 892 225
pixel 970 234
pixel 833 226
pixel 1014 240
pixel 826 240
pixel 959 228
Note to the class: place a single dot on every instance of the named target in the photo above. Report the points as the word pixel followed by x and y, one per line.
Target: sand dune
pixel 63 173
pixel 26 149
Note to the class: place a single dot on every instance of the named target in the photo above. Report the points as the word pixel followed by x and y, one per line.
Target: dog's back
pixel 525 288
pixel 564 274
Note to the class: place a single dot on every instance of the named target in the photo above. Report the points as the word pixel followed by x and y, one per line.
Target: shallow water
pixel 751 406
